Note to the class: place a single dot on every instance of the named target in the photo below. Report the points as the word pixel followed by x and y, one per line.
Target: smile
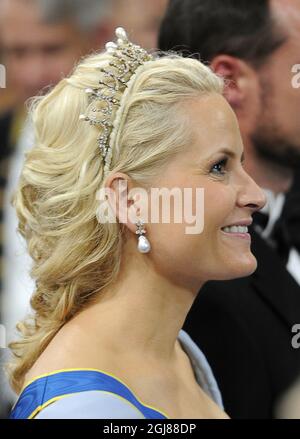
pixel 237 232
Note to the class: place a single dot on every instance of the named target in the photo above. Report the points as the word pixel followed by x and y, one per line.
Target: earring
pixel 143 243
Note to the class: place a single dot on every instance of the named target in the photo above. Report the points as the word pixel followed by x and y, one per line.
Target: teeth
pixel 236 229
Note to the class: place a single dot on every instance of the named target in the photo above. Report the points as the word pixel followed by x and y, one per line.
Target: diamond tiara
pixel 127 58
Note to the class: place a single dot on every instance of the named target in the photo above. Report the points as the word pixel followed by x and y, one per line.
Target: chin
pixel 244 267
pixel 237 268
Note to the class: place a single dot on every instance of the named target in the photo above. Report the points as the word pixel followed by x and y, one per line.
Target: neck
pixel 141 314
pixel 267 174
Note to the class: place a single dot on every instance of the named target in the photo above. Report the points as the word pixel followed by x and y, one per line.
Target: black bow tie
pixel 286 231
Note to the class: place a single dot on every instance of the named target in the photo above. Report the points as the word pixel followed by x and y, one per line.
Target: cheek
pixel 220 201
pixel 175 249
pixel 178 256
pixel 282 100
pixel 58 65
pixel 201 217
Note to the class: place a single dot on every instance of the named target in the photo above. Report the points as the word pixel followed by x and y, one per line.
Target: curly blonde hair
pixel 75 256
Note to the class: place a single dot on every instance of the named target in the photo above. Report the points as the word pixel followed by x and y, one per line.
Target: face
pixel 276 135
pixel 141 18
pixel 213 161
pixel 35 54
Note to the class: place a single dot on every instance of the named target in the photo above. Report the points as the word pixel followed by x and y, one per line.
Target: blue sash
pixel 44 390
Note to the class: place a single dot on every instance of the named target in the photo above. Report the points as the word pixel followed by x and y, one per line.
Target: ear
pixel 118 190
pixel 238 76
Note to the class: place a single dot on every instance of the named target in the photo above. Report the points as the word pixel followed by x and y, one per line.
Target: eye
pixel 219 168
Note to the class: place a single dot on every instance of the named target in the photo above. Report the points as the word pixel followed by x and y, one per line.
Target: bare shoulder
pixel 69 349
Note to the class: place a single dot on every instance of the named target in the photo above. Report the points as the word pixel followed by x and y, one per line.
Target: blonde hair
pixel 75 256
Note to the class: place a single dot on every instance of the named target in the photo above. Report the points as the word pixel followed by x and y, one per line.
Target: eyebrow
pixel 228 152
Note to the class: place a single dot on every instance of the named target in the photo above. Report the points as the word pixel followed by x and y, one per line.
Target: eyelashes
pixel 219 168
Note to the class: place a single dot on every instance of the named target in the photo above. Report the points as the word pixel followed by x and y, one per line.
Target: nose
pixel 250 194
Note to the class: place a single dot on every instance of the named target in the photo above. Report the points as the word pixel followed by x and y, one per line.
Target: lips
pixel 239 229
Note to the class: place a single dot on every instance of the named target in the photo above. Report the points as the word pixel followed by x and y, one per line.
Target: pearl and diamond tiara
pixel 127 58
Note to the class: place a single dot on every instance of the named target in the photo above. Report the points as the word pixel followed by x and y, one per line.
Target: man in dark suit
pixel 40 42
pixel 244 326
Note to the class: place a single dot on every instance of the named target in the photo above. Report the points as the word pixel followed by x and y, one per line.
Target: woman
pixel 111 296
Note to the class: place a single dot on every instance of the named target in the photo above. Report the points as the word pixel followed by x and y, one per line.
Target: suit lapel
pixel 274 283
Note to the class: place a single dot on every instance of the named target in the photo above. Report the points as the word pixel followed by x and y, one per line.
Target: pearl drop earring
pixel 143 243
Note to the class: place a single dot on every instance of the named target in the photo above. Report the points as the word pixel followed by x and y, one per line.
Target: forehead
pixel 143 7
pixel 287 15
pixel 18 10
pixel 21 22
pixel 213 124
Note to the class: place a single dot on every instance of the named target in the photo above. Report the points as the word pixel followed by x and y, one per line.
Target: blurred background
pixel 40 41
